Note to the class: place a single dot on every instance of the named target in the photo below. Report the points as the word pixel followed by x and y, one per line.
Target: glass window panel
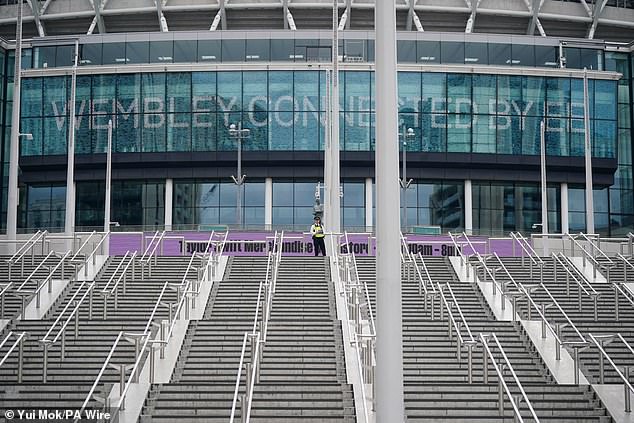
pixel 128 93
pixel 459 133
pixel 357 91
pixel 558 97
pixel 282 215
pixel 434 132
pixel 604 139
pixel 282 193
pixel 258 50
pixel 90 54
pixel 577 134
pixel 127 134
pixel 137 52
pixel 406 51
pixel 509 95
pixel 452 52
pixel 459 93
pixel 476 53
pixel 256 122
pixel 162 52
pixel 31 100
pixel 576 98
pixel 225 142
pixel 281 91
pixel 154 132
pixel 54 137
pixel 304 193
pixel 428 51
pixel 82 92
pixel 590 58
pixel 32 147
pixel 353 194
pixel 209 51
pixel 531 135
pixel 500 54
pixel 509 135
pixel 254 194
pixel 65 56
pixel 179 132
pixel 282 50
pixel 410 121
pixel 44 57
pixel 185 51
pixel 409 91
pixel 179 94
pixel 254 216
pixel 228 193
pixel 557 137
pixel 281 131
pixel 483 134
pixel 233 50
pixel 546 56
pixel 434 89
pixel 203 131
pixel 153 90
pixel 484 94
pixel 354 217
pixel 255 92
pixel 306 131
pixel 306 84
pixel 605 99
pixel 229 91
pixel 55 96
pixel 357 132
pixel 83 136
pixel 203 91
pixel 533 96
pixel 523 55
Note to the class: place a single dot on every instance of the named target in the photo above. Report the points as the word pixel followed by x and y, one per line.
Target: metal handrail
pixel 121 276
pixel 238 378
pixel 101 372
pixel 15 343
pixel 93 254
pixel 586 254
pixel 30 243
pixel 506 270
pixel 114 274
pixel 133 374
pixel 463 320
pixel 625 378
pixel 464 261
pixel 150 244
pixel 545 320
pixel 596 247
pixel 75 310
pixel 146 330
pixel 564 262
pixel 28 279
pixel 48 278
pixel 501 380
pixel 527 247
pixel 625 261
pixel 74 257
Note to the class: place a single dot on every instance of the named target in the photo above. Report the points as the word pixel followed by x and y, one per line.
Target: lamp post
pixel 239 134
pixel 588 156
pixel 544 189
pixel 69 221
pixel 404 182
pixel 14 154
pixel 106 213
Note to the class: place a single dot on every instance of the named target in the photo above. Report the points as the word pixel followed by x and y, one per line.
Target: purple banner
pixel 300 244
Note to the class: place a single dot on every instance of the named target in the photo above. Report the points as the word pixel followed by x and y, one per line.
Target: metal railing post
pixel 63 345
pixel 557 344
pixel 616 302
pixel 44 362
pixel 164 341
pixel 76 321
pixel 543 306
pixel 576 363
pixel 122 384
pixel 628 399
pixel 601 365
pixel 470 361
pixel 243 408
pixel 20 359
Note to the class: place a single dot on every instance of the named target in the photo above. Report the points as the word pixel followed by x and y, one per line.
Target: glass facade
pixel 285 110
pixel 436 203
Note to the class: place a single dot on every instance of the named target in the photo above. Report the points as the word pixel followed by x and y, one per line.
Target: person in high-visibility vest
pixel 317 232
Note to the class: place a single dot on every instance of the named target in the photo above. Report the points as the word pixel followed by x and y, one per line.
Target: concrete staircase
pixel 583 318
pixel 436 385
pixel 70 379
pixel 202 386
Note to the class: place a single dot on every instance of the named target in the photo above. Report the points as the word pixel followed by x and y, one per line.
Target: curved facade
pixel 474 101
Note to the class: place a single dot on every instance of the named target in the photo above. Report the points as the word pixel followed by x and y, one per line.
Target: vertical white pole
pixel 389 347
pixel 544 189
pixel 69 221
pixel 268 203
pixel 468 207
pixel 169 203
pixel 14 155
pixel 588 156
pixel 564 208
pixel 106 213
pixel 334 220
pixel 368 204
pixel 327 150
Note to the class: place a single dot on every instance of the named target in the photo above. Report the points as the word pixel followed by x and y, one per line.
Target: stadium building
pixel 475 81
pixel 143 279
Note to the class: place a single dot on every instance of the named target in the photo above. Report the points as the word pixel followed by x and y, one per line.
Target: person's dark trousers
pixel 320 245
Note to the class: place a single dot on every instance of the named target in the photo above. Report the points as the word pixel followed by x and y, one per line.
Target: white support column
pixel 368 204
pixel 389 324
pixel 589 194
pixel 169 203
pixel 564 208
pixel 468 207
pixel 69 220
pixel 268 203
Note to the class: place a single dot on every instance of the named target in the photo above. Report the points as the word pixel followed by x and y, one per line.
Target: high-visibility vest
pixel 317 231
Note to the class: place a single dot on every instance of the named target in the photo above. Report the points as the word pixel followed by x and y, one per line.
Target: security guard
pixel 317 232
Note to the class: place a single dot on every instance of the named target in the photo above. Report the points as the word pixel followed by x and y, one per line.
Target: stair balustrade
pixel 589 256
pixel 583 285
pixel 108 291
pixel 24 293
pixel 20 255
pixel 19 343
pixel 600 342
pixel 527 250
pixel 150 255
